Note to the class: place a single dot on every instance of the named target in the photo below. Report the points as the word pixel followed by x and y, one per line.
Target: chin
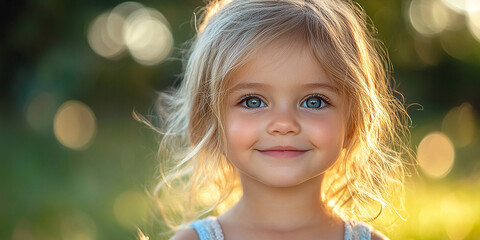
pixel 286 180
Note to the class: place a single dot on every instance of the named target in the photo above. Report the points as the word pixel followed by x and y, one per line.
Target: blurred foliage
pixel 49 191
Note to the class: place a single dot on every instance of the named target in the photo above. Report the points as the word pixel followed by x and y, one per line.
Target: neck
pixel 282 208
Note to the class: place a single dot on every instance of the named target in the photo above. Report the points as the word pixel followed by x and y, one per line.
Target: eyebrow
pixel 330 87
pixel 254 85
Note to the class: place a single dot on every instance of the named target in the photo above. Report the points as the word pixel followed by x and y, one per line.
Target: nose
pixel 283 121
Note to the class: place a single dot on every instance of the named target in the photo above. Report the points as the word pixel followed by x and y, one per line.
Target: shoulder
pixel 376 235
pixel 186 234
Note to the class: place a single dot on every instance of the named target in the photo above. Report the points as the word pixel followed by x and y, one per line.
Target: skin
pixel 281 193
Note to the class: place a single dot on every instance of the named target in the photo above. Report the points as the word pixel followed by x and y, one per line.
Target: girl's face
pixel 285 121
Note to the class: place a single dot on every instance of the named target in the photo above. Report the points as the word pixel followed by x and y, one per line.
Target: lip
pixel 283 148
pixel 283 152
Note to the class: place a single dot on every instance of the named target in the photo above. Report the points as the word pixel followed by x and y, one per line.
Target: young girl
pixel 284 126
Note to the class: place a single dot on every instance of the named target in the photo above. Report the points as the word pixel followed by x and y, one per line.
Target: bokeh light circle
pixel 144 32
pixel 114 29
pixel 436 155
pixel 103 37
pixel 147 36
pixel 126 8
pixel 461 216
pixel 77 225
pixel 428 17
pixel 463 6
pixel 131 208
pixel 459 125
pixel 474 24
pixel 116 20
pixel 75 125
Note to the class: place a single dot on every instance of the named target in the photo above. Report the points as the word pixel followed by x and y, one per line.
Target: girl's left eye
pixel 314 102
pixel 252 102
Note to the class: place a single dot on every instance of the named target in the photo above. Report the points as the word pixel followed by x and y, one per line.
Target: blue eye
pixel 314 102
pixel 253 102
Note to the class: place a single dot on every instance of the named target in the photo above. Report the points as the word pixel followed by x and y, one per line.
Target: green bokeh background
pixel 49 191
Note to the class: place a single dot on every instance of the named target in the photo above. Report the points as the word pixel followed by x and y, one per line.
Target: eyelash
pixel 248 96
pixel 319 96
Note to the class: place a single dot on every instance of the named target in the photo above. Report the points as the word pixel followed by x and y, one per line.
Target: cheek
pixel 241 132
pixel 327 133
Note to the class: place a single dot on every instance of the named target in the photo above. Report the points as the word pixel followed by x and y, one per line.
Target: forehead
pixel 280 63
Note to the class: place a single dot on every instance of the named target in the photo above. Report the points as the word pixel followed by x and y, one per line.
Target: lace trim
pixel 208 229
pixel 355 230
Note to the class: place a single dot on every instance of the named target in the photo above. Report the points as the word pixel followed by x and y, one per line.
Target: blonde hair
pixel 196 176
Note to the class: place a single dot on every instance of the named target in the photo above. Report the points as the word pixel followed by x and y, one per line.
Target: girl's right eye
pixel 252 102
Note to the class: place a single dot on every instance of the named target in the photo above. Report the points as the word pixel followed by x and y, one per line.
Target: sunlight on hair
pixel 209 195
pixel 142 236
pixel 131 208
pixel 463 6
pixel 458 216
pixel 75 125
pixel 436 155
pixel 147 36
pixel 103 37
pixel 459 125
pixel 428 17
pixel 211 9
pixel 233 198
pixel 40 110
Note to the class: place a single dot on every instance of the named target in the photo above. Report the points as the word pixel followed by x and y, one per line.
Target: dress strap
pixel 208 229
pixel 355 230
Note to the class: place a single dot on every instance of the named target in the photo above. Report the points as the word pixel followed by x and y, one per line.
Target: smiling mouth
pixel 283 153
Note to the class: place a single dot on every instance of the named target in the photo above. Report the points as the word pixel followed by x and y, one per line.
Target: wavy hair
pixel 196 177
